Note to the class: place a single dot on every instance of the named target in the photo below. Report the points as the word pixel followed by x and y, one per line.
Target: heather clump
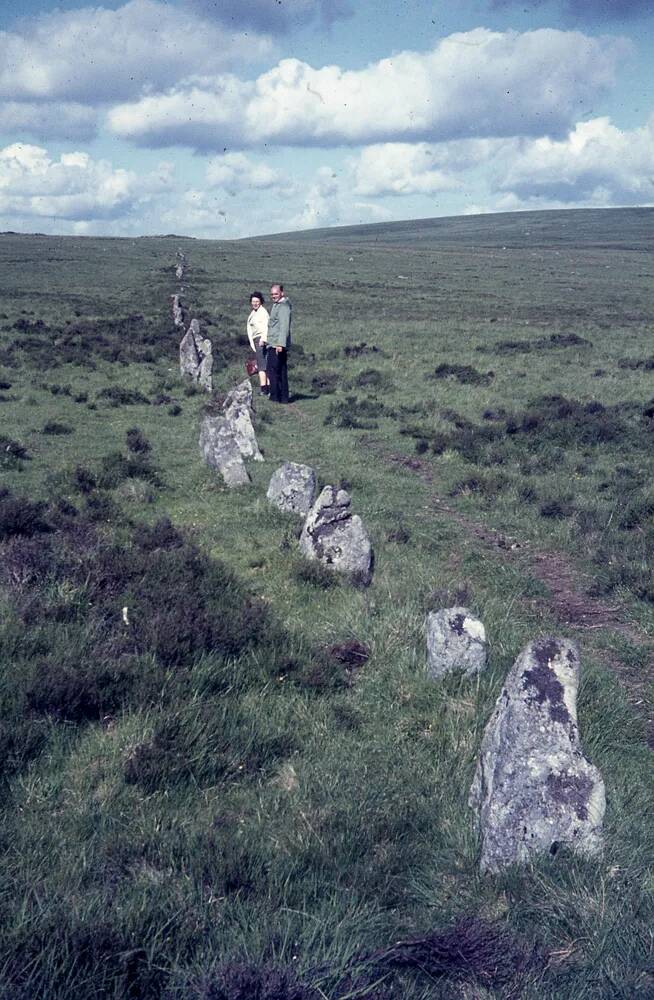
pixel 355 412
pixel 98 617
pixel 117 395
pixel 55 427
pixel 465 374
pixel 12 453
pixel 116 467
pixel 20 516
pixel 136 441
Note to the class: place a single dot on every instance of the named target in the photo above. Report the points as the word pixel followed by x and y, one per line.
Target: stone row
pixel 534 789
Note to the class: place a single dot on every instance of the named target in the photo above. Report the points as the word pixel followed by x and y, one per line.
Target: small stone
pixel 337 538
pixel 286 778
pixel 293 488
pixel 534 789
pixel 456 640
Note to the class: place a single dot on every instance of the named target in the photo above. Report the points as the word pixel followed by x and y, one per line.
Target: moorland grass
pixel 209 797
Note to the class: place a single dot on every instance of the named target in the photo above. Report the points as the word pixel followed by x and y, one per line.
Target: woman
pixel 257 329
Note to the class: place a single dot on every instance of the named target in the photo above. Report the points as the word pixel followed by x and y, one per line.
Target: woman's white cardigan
pixel 257 325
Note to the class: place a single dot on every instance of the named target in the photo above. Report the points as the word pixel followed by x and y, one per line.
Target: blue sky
pixel 227 118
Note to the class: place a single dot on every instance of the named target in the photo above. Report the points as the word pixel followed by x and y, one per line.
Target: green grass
pixel 178 798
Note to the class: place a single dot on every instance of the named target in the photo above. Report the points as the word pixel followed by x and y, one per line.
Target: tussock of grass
pixel 53 427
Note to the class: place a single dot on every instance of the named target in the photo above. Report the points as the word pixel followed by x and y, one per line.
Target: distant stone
pixel 456 641
pixel 293 488
pixel 179 271
pixel 220 450
pixel 337 538
pixel 534 789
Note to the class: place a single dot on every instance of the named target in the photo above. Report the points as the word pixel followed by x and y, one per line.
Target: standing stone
pixel 241 423
pixel 456 640
pixel 238 409
pixel 534 789
pixel 178 311
pixel 196 356
pixel 194 327
pixel 220 450
pixel 293 488
pixel 240 395
pixel 205 371
pixel 189 359
pixel 336 537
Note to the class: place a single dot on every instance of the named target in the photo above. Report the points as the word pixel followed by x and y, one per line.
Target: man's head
pixel 276 292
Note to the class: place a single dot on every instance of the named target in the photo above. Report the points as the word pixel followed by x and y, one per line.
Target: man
pixel 279 341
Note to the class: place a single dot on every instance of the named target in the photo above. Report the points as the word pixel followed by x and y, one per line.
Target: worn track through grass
pixel 568 600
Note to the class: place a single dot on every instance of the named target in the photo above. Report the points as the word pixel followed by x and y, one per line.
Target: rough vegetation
pixel 225 772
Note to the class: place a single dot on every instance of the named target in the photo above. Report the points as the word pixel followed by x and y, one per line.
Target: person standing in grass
pixel 279 341
pixel 257 330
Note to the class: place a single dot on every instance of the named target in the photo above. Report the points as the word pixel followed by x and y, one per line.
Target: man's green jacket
pixel 279 324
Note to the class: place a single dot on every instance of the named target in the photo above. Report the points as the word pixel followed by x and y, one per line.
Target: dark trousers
pixel 277 371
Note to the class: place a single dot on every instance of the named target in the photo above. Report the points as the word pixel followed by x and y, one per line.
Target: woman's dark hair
pixel 258 295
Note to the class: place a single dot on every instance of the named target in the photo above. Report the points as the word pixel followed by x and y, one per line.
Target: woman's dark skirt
pixel 261 351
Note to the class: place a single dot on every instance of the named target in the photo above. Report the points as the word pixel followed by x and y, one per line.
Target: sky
pixel 231 118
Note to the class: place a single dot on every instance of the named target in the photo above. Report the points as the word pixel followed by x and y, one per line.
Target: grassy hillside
pixel 205 787
pixel 614 228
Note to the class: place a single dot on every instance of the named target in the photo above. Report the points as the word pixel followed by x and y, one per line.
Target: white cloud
pixel 74 187
pixel 477 83
pixel 597 163
pixel 235 172
pixel 187 114
pixel 400 168
pixel 322 200
pixel 93 54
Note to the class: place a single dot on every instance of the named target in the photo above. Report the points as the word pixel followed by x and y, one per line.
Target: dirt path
pixel 567 600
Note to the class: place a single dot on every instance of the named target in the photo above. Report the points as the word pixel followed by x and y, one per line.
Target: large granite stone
pixel 534 789
pixel 456 640
pixel 221 452
pixel 293 488
pixel 337 538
